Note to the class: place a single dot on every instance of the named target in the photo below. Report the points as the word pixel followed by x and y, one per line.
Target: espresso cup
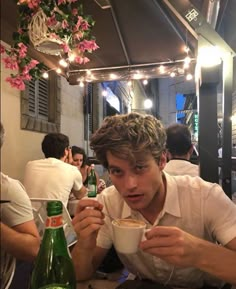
pixel 127 235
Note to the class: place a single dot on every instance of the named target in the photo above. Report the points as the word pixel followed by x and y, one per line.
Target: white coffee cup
pixel 127 235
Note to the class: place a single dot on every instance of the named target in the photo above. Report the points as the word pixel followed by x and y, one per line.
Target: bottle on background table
pixel 53 267
pixel 92 183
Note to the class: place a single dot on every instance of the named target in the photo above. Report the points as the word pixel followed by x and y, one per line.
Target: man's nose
pixel 131 181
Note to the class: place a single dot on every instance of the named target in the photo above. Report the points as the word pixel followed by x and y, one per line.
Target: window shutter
pixel 43 98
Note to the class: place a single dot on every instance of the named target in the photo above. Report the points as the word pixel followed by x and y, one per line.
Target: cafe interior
pixel 148 53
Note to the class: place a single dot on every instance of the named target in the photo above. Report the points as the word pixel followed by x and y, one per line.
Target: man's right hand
pixel 87 222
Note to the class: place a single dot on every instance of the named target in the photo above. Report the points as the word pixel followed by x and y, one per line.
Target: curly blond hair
pixel 128 135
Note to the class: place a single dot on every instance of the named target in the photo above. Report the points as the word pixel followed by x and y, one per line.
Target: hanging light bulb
pixel 172 74
pixel 45 75
pixel 189 76
pixel 147 103
pixel 104 92
pixel 58 70
pixel 145 82
pixel 81 83
pixel 162 69
pixel 63 63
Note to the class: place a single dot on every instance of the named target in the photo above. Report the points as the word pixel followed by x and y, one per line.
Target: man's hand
pixel 87 222
pixel 172 245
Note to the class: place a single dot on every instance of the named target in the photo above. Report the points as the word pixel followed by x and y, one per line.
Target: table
pixel 111 282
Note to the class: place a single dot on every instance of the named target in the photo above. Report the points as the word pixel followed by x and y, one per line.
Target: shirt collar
pixel 171 204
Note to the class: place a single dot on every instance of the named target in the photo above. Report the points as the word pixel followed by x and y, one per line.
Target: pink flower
pixel 88 45
pixel 32 63
pixel 16 82
pixel 33 3
pixel 65 47
pixel 23 50
pixel 11 62
pixel 64 24
pixel 78 35
pixel 61 2
pixel 81 60
pixel 2 49
pixel 74 11
pixel 84 25
pixel 51 21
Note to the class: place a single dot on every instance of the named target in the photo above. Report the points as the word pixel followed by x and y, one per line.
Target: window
pixel 40 105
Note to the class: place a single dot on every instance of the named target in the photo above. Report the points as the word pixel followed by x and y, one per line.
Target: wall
pixel 20 146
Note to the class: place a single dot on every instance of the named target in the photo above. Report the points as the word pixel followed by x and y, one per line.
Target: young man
pixel 185 215
pixel 179 150
pixel 19 235
pixel 53 177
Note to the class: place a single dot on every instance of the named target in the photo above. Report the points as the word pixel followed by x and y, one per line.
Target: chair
pixel 40 214
pixel 8 270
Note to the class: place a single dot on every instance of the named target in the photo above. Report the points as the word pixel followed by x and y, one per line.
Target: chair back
pixel 8 270
pixel 40 214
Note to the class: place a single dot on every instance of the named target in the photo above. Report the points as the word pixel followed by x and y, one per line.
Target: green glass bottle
pixel 53 266
pixel 92 183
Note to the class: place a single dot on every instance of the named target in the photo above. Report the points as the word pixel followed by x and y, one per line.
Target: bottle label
pixel 54 222
pixel 92 190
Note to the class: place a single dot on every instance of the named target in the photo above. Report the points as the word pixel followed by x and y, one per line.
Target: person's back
pixel 179 150
pixel 19 234
pixel 52 177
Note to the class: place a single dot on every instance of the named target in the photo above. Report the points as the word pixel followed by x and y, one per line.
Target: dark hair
pixel 127 136
pixel 178 140
pixel 54 145
pixel 77 150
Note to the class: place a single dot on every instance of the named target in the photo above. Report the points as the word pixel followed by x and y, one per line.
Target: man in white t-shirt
pixel 179 150
pixel 19 235
pixel 53 177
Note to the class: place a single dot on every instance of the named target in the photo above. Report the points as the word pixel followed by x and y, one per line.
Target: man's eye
pixel 115 171
pixel 140 168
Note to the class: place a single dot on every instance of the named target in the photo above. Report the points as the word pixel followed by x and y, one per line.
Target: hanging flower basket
pixel 41 37
pixel 55 27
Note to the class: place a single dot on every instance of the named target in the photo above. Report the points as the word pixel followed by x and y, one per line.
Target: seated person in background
pixel 19 234
pixel 80 161
pixel 53 177
pixel 181 212
pixel 179 150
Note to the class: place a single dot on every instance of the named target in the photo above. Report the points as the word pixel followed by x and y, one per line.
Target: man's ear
pixel 162 161
pixel 191 150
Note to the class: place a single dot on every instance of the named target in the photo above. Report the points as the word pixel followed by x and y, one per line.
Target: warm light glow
pixel 113 76
pixel 233 119
pixel 145 82
pixel 189 76
pixel 147 103
pixel 186 49
pixel 88 72
pixel 187 59
pixel 162 69
pixel 129 83
pixel 72 57
pixel 172 74
pixel 137 75
pixel 45 75
pixel 209 56
pixel 63 63
pixel 58 70
pixel 81 84
pixel 186 65
pixel 104 92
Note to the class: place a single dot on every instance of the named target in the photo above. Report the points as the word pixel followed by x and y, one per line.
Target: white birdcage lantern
pixel 40 36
